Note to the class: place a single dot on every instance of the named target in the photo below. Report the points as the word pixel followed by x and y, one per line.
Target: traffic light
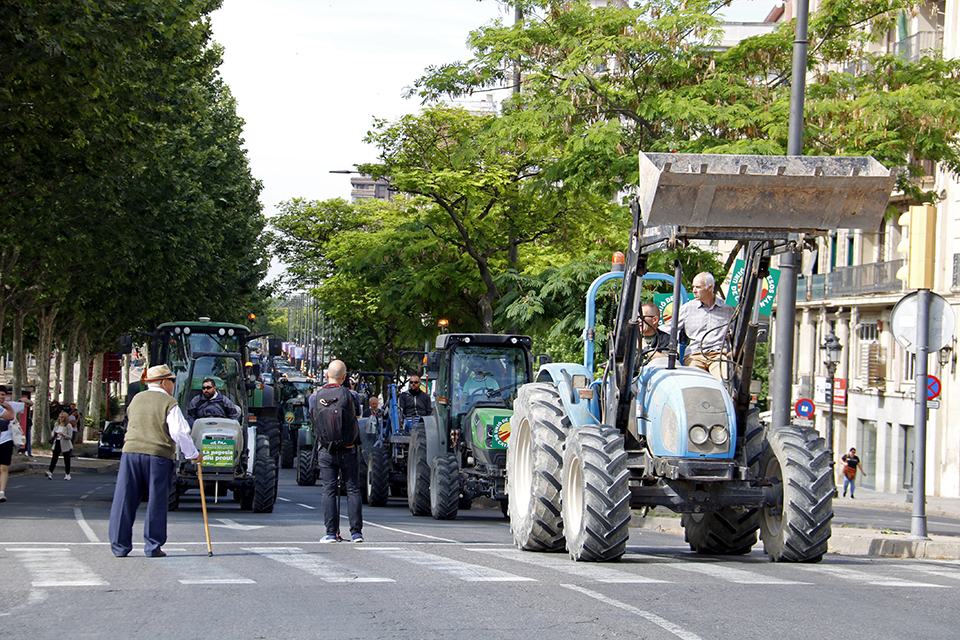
pixel 919 246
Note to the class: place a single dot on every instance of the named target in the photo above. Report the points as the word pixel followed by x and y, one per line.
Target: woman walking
pixel 62 443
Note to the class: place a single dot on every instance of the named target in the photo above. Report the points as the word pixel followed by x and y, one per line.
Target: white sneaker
pixel 3 496
pixel 48 474
pixel 66 477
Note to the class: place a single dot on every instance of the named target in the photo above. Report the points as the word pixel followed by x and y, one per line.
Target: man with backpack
pixel 334 413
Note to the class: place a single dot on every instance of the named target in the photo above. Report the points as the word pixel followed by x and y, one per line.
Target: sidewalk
pixel 855 541
pixel 84 460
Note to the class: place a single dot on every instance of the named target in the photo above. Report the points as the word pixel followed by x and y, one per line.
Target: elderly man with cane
pixel 156 426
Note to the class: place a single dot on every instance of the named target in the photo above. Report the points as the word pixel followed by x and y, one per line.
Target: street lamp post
pixel 831 358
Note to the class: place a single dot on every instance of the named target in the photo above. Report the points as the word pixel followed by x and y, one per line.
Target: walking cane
pixel 203 506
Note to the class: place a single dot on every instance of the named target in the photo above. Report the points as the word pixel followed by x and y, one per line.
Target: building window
pixel 909 366
pixel 868 332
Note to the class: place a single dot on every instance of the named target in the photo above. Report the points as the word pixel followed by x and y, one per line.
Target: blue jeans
pixel 847 481
pixel 345 462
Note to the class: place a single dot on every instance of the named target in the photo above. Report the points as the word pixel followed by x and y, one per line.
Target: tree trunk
pixel 83 346
pixel 96 393
pixel 70 361
pixel 19 364
pixel 41 399
pixel 57 374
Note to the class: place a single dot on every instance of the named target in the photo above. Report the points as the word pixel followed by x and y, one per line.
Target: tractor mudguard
pixel 436 442
pixel 303 439
pixel 573 382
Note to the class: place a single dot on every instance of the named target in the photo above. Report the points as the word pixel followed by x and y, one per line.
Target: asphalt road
pixel 419 578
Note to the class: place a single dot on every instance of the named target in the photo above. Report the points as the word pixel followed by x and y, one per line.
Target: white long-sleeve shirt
pixel 178 428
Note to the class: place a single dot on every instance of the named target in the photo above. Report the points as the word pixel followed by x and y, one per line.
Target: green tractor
pixel 292 391
pixel 239 455
pixel 459 452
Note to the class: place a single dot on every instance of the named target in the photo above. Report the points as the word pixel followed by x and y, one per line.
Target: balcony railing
pixel 864 279
pixel 919 44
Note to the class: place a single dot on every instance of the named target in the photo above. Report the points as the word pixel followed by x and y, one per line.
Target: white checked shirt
pixel 701 325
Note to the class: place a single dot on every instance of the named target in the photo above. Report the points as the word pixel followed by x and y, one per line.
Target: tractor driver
pixel 479 380
pixel 211 404
pixel 653 341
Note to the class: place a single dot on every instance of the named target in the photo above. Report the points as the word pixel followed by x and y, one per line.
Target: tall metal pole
pixel 781 383
pixel 918 521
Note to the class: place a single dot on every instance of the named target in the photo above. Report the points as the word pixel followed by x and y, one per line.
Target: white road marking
pixel 730 574
pixel 57 568
pixel 942 572
pixel 91 536
pixel 409 533
pixel 455 568
pixel 201 571
pixel 233 524
pixel 862 576
pixel 305 506
pixel 316 565
pixel 666 625
pixel 35 597
pixel 559 562
pixel 283 499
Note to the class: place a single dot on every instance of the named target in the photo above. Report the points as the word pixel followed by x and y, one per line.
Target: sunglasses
pixel 414 384
pixel 205 387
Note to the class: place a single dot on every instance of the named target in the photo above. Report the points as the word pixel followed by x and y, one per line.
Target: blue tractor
pixel 591 443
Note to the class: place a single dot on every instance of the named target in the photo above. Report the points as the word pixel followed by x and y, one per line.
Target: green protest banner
pixel 217 453
pixel 769 288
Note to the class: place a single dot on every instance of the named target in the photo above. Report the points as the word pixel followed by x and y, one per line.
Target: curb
pixel 846 541
pixel 76 466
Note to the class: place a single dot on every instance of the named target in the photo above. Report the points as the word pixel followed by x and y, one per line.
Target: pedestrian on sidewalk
pixel 851 464
pixel 8 413
pixel 62 443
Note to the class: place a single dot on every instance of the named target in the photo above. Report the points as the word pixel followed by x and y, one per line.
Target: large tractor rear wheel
pixel 799 529
pixel 595 494
pixel 534 460
pixel 264 477
pixel 269 425
pixel 307 467
pixel 418 472
pixel 726 532
pixel 378 477
pixel 444 487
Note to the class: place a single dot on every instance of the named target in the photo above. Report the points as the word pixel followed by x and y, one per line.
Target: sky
pixel 310 76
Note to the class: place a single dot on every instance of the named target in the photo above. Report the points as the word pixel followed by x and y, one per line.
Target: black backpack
pixel 334 418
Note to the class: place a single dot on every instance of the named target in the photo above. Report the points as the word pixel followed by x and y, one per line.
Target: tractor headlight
pixel 698 434
pixel 719 434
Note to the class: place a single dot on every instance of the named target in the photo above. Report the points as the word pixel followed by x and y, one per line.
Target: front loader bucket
pixel 770 193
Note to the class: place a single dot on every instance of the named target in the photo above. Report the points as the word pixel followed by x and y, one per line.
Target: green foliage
pixel 613 81
pixel 123 150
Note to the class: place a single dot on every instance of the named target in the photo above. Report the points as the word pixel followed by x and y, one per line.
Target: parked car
pixel 111 440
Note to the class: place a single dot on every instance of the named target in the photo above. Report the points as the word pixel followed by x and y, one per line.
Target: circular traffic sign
pixel 804 408
pixel 904 321
pixel 933 387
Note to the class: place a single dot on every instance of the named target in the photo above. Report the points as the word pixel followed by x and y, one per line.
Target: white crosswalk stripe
pixel 868 578
pixel 197 570
pixel 455 568
pixel 934 570
pixel 716 570
pixel 57 568
pixel 556 562
pixel 316 565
